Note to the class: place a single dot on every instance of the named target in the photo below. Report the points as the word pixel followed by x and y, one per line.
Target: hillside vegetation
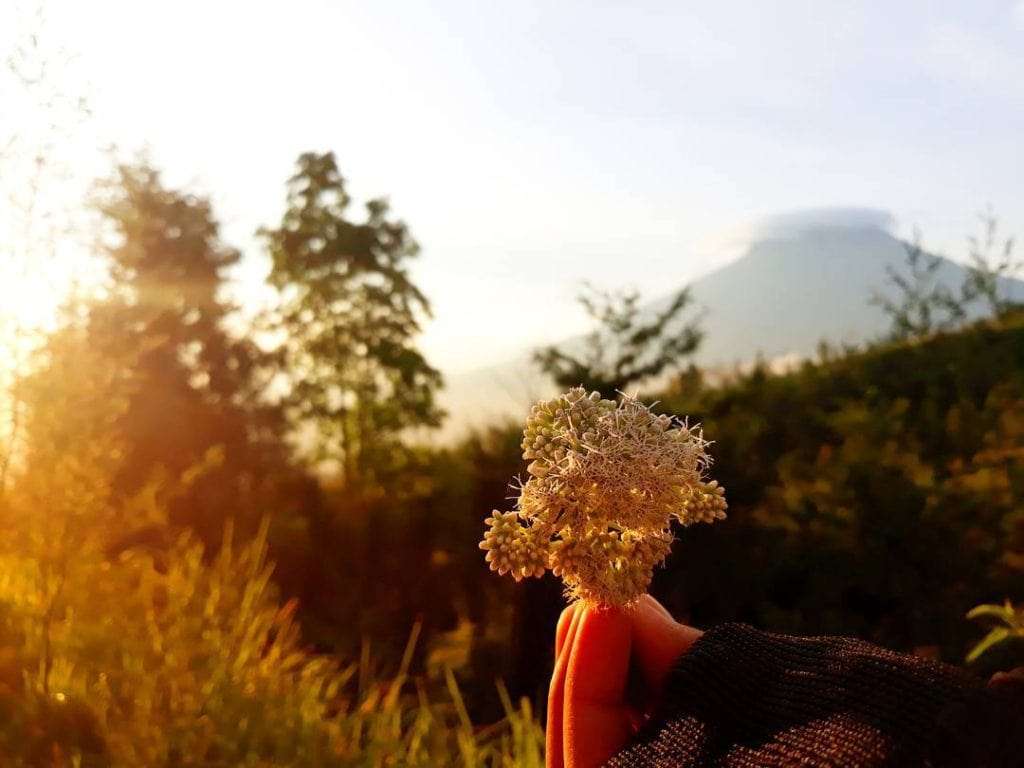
pixel 878 493
pixel 874 493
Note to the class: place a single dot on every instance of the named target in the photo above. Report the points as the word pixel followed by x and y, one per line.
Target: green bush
pixel 876 493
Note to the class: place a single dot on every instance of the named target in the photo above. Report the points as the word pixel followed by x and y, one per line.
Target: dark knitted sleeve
pixel 742 697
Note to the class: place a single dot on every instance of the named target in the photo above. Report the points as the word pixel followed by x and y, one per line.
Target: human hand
pixel 590 716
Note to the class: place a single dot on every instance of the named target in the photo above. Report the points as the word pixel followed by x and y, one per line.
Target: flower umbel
pixel 606 481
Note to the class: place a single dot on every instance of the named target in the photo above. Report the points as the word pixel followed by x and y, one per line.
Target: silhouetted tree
pixel 348 317
pixel 992 261
pixel 195 386
pixel 920 304
pixel 627 345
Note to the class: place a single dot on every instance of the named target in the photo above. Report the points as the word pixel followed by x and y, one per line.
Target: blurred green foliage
pixel 877 493
pixel 141 620
pixel 169 655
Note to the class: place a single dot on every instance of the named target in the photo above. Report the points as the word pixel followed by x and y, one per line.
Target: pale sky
pixel 532 145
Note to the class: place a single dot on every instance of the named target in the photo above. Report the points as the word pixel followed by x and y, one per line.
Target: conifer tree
pixel 195 386
pixel 349 316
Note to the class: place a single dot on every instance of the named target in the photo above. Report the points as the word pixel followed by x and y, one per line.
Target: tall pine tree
pixel 349 316
pixel 195 394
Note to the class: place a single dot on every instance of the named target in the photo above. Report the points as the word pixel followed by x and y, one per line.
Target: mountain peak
pixel 799 222
pixel 802 277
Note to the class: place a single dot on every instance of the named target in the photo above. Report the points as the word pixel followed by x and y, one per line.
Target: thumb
pixel 658 641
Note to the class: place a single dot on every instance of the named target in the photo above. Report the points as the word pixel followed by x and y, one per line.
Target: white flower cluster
pixel 606 481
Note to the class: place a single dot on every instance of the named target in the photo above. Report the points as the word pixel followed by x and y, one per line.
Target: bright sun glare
pixel 26 301
pixel 48 155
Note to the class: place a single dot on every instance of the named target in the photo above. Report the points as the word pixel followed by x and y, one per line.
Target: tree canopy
pixel 627 346
pixel 348 318
pixel 195 394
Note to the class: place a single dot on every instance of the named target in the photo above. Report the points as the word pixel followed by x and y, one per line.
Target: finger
pixel 596 721
pixel 563 627
pixel 658 642
pixel 564 637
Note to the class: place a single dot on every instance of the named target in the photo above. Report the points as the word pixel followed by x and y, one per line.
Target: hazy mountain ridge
pixel 805 277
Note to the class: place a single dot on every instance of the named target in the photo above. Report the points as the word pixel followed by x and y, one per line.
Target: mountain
pixel 802 278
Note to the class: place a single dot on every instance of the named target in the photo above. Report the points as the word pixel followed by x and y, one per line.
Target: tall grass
pixel 167 659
